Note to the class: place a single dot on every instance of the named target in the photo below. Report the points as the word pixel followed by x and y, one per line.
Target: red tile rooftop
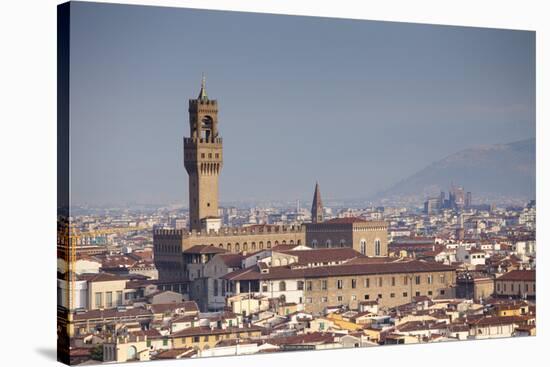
pixel 519 275
pixel 204 249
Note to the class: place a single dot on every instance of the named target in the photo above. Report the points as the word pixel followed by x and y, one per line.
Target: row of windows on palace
pixel 253 247
pixel 525 287
pixel 229 247
pixel 340 283
pixel 221 289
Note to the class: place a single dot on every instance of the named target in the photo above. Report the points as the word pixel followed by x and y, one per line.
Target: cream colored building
pixel 126 349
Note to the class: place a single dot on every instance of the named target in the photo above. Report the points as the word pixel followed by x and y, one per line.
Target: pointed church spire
pixel 202 93
pixel 317 206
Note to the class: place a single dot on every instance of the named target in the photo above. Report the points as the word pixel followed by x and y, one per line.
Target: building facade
pixel 370 238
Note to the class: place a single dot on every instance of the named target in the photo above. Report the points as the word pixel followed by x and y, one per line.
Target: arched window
pixel 363 246
pixel 245 246
pixel 284 242
pixel 229 247
pixel 131 354
pixel 237 247
pixel 277 262
pixel 268 244
pixel 282 286
pixel 221 245
pixel 342 242
pixel 377 247
pixel 292 242
pixel 276 243
pixel 314 243
pixel 261 245
pixel 328 243
pixel 253 246
pixel 283 261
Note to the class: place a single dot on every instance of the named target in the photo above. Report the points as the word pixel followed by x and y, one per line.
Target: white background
pixel 28 179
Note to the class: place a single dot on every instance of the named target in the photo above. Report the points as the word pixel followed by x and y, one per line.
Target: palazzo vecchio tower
pixel 203 159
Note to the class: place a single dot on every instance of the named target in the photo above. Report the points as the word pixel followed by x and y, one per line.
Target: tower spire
pixel 202 93
pixel 317 206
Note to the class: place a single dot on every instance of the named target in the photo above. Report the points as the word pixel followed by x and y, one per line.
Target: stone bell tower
pixel 203 161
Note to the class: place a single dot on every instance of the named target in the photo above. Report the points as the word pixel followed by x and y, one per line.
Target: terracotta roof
pixel 175 353
pixel 231 260
pixel 204 249
pixel 499 320
pixel 285 272
pixel 286 247
pixel 188 306
pixel 205 330
pixel 519 275
pixel 324 255
pixel 100 277
pixel 311 338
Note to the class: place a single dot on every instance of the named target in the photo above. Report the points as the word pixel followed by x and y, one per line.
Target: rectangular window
pixel 309 300
pixel 119 298
pixel 309 285
pixel 512 287
pixel 339 284
pixel 405 294
pixel 324 285
pixel 417 294
pixel 380 281
pixel 430 279
pixel 430 293
pixel 392 295
pixel 196 339
pixel 109 299
pixel 264 288
pixel 393 281
pixel 353 297
pixel 405 280
pixel 380 296
pixel 442 278
pixel 367 283
pixel 165 342
pixel 98 300
pixel 442 292
pixel 340 298
pixel 417 279
pixel 324 299
pixel 354 283
pixel 367 296
pixel 300 285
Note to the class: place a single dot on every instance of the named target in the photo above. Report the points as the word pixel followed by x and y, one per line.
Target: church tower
pixel 203 161
pixel 317 207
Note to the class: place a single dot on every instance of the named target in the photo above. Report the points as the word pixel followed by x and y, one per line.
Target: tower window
pixel 217 155
pixel 202 155
pixel 209 155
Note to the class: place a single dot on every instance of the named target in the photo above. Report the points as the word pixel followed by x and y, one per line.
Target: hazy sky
pixel 355 105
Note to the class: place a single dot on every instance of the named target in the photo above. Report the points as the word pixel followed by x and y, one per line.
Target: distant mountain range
pixel 492 171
